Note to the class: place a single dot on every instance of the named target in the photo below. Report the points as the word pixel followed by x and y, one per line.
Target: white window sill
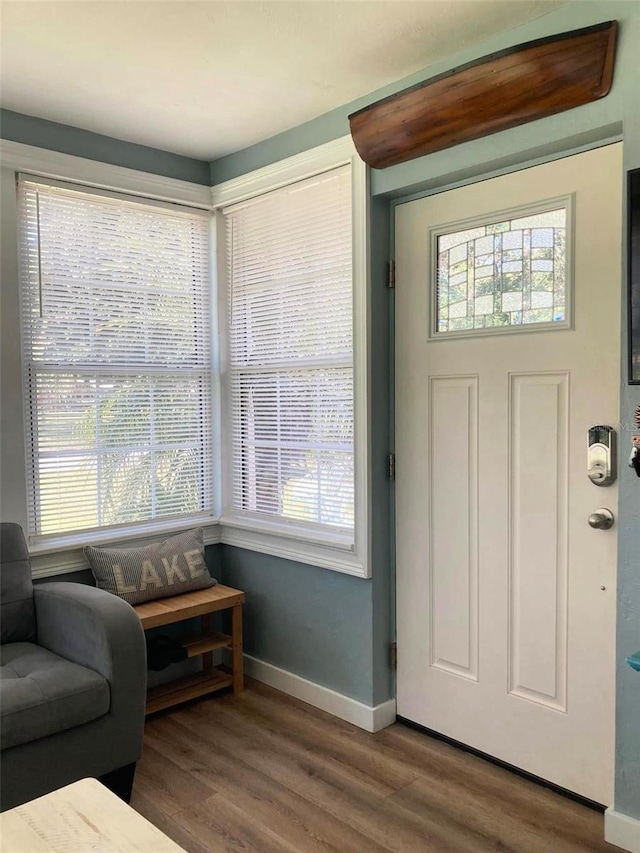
pixel 62 554
pixel 335 552
pixel 290 530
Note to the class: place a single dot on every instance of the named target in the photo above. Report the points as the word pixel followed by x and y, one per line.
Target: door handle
pixel 601 519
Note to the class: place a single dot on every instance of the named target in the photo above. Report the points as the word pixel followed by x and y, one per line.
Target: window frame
pixel 173 521
pixel 567 202
pixel 62 553
pixel 289 539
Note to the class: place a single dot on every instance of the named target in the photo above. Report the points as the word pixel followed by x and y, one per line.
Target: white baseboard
pixel 372 719
pixel 621 830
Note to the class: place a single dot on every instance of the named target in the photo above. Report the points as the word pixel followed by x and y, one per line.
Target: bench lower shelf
pixel 189 687
pixel 199 644
pixel 201 603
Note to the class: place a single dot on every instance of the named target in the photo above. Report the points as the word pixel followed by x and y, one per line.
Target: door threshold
pixel 538 780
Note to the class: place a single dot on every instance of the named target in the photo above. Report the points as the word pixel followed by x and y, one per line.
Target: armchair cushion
pixel 18 618
pixel 42 693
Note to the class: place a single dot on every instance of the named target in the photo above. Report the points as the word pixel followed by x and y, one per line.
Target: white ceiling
pixel 207 78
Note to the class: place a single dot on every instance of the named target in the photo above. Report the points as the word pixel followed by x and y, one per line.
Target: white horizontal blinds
pixel 116 337
pixel 289 266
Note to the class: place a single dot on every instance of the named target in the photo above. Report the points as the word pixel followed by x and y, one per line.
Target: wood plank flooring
pixel 264 773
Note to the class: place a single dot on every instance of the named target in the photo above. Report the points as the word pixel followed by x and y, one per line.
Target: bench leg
pixel 236 639
pixel 207 657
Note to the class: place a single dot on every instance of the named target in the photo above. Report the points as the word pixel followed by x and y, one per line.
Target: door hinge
pixel 393 656
pixel 391 466
pixel 391 282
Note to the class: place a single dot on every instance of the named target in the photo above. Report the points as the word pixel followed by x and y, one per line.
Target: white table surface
pixel 81 817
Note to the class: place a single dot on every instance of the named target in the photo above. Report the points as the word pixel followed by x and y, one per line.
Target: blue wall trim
pixel 84 143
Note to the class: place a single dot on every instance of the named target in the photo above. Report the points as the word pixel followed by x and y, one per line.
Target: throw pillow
pixel 153 571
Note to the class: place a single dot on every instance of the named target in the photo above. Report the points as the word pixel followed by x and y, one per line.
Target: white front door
pixel 506 596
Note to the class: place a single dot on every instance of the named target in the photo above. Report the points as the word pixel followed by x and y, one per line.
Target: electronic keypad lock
pixel 601 455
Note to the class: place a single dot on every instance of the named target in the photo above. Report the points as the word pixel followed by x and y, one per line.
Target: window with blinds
pixel 117 359
pixel 289 376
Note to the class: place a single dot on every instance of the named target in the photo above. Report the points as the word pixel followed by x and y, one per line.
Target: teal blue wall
pixel 382 583
pixel 305 619
pixel 83 143
pixel 602 121
pixel 332 628
pixel 627 799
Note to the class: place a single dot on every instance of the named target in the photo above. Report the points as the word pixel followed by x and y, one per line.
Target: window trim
pixel 43 542
pixel 64 554
pixel 282 538
pixel 54 165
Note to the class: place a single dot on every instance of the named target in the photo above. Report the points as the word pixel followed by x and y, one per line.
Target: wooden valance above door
pixel 499 91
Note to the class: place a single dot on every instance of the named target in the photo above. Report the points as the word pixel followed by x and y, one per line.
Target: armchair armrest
pixel 98 630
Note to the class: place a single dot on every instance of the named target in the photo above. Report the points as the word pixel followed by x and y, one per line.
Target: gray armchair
pixel 72 682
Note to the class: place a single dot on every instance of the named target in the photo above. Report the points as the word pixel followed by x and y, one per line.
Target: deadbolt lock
pixel 601 455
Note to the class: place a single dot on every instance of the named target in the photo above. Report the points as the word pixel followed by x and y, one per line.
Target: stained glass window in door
pixel 507 273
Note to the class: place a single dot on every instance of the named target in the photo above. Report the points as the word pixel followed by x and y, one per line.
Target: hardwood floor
pixel 263 772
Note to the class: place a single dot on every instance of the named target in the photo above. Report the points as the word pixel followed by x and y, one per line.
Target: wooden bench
pixel 201 603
